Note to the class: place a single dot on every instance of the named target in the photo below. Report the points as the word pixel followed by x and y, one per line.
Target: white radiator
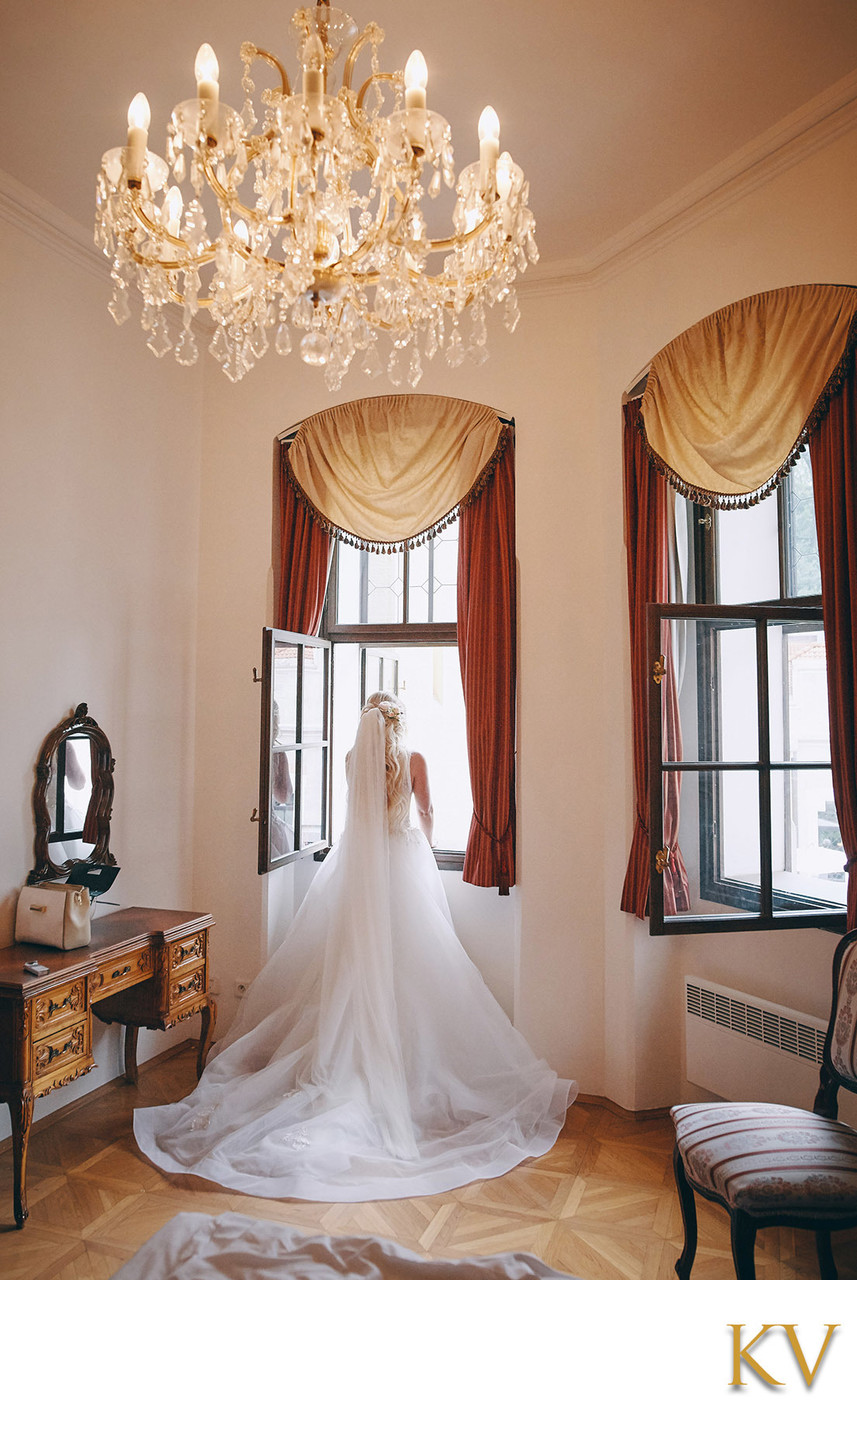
pixel 746 1049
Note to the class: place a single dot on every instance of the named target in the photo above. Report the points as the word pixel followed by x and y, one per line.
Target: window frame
pixel 387 635
pixel 271 637
pixel 713 886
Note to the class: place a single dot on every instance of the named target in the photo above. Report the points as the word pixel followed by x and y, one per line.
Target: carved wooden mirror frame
pixel 100 803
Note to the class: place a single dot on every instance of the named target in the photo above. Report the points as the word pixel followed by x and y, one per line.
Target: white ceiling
pixel 612 108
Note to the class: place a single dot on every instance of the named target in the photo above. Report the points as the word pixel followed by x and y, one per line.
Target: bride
pixel 369 1060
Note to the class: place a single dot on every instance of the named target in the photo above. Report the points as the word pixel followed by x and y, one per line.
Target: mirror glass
pixel 69 798
pixel 73 797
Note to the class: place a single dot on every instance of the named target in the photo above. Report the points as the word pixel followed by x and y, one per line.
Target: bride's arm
pixel 422 794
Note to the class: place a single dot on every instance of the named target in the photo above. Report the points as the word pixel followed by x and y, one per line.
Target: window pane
pixel 738 703
pixel 348 583
pixel 312 795
pixel 718 835
pixel 433 579
pixel 807 853
pixel 803 572
pixel 282 827
pixel 799 717
pixel 712 665
pixel 313 696
pixel 429 684
pixel 286 659
pixel 748 553
pixel 384 586
pixel 737 853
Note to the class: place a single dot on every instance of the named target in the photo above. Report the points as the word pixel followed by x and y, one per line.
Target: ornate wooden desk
pixel 144 967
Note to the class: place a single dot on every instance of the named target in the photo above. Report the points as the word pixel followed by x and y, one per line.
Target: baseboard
pixel 653 1113
pixel 95 1095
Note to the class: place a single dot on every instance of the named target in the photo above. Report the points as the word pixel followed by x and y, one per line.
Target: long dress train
pixel 369 1059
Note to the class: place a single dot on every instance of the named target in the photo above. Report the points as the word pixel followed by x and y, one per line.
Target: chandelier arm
pixel 250 52
pixel 158 231
pixel 371 33
pixel 455 241
pixel 371 80
pixel 235 204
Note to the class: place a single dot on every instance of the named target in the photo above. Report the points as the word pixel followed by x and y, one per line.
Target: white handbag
pixel 53 914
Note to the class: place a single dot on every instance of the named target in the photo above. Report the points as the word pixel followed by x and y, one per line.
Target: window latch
pixel 705 520
pixel 659 671
pixel 662 860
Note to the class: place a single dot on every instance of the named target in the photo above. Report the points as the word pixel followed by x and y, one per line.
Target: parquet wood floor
pixel 600 1205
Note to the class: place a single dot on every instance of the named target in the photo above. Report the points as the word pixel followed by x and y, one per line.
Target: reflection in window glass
pixel 283 773
pixel 807 855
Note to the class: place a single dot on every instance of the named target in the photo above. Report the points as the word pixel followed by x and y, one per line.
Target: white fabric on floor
pixel 233 1247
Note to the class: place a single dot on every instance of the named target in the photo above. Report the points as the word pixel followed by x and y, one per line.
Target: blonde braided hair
pixel 397 759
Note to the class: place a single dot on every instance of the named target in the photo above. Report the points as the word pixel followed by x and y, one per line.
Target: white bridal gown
pixel 369 1059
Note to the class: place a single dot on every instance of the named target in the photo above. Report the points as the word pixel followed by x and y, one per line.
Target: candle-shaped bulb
pixel 416 72
pixel 489 125
pixel 207 73
pixel 139 119
pixel 313 83
pixel 489 151
pixel 313 56
pixel 171 210
pixel 416 78
pixel 206 68
pixel 139 113
pixel 240 230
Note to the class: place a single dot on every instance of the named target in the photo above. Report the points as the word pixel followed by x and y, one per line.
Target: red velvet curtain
pixel 486 645
pixel 305 551
pixel 646 540
pixel 833 451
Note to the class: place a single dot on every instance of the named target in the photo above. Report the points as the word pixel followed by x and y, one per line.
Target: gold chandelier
pixel 308 221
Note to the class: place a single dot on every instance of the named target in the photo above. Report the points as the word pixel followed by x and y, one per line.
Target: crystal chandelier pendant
pixel 301 221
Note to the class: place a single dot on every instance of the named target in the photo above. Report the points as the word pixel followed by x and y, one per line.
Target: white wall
pixel 98 579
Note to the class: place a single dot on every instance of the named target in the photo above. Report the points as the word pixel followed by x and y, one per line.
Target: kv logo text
pixel 741 1354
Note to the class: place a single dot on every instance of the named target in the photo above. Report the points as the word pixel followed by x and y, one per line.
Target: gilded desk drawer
pixel 186 986
pixel 120 972
pixel 58 1007
pixel 62 1056
pixel 187 953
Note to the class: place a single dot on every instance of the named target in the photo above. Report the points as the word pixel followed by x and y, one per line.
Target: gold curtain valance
pixel 731 402
pixel 392 471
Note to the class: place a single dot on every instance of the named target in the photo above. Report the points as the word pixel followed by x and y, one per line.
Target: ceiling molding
pixel 41 220
pixel 795 138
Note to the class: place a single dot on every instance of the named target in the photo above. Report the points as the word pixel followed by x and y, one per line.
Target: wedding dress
pixel 369 1059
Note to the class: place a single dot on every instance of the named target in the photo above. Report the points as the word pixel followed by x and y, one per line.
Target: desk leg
pixel 131 1055
pixel 206 1034
pixel 21 1113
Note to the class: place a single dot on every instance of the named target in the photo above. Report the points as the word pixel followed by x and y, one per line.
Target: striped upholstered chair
pixel 778 1165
